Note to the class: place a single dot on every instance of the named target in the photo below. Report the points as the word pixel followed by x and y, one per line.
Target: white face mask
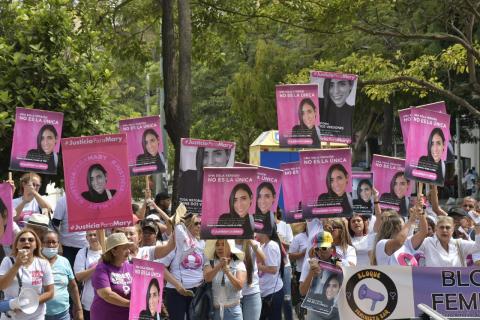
pixel 49 252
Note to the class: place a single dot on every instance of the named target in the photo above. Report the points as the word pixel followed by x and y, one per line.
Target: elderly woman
pixel 226 271
pixel 442 250
pixel 65 284
pixel 112 280
pixel 31 201
pixel 34 271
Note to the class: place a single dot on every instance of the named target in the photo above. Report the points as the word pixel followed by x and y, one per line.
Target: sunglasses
pixel 23 240
pixel 197 223
pixel 337 228
pixel 321 249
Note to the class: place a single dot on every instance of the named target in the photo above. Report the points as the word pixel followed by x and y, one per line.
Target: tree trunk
pixel 387 136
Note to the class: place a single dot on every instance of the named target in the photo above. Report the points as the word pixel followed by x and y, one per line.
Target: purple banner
pixel 298 115
pixel 228 203
pixel 147 288
pixel 362 192
pixel 36 141
pixel 145 146
pixel 97 182
pixel 6 213
pixel 326 178
pixel 429 134
pixel 292 191
pixel 195 154
pixel 391 183
pixel 336 94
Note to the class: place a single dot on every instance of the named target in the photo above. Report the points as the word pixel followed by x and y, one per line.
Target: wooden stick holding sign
pixel 101 238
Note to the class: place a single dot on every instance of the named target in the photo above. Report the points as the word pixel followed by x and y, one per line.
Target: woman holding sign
pixel 337 195
pixel 307 127
pixel 45 151
pixel 97 185
pixel 151 154
pixel 240 201
pixel 433 159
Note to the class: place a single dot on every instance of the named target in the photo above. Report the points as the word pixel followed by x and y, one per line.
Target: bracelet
pixel 376 202
pixel 255 247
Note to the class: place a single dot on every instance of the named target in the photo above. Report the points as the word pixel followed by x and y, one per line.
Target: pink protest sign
pixel 6 214
pixel 336 94
pixel 228 203
pixel 147 288
pixel 36 141
pixel 97 182
pixel 429 134
pixel 404 116
pixel 298 115
pixel 145 146
pixel 362 193
pixel 391 183
pixel 195 154
pixel 292 191
pixel 326 177
pixel 267 193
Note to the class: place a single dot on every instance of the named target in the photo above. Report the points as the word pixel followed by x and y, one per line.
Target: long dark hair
pixel 359 187
pixel 153 282
pixel 435 131
pixel 326 91
pixel 96 166
pixel 392 182
pixel 48 127
pixel 144 137
pixel 231 200
pixel 306 101
pixel 262 185
pixel 339 167
pixel 325 285
pixel 199 160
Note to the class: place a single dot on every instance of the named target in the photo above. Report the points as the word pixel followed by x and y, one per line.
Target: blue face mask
pixel 49 252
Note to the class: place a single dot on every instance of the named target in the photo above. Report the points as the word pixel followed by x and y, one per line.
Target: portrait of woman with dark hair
pixel 398 193
pixel 307 127
pixel 240 201
pixel 263 209
pixel 337 195
pixel 334 109
pixel 45 152
pixel 363 202
pixel 152 155
pixel 191 181
pixel 97 185
pixel 433 159
pixel 4 218
pixel 152 302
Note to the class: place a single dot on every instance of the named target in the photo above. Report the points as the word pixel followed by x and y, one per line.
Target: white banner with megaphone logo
pixel 394 292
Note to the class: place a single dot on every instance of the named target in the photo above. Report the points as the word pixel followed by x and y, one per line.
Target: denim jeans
pixel 272 310
pixel 252 306
pixel 230 313
pixel 177 305
pixel 287 290
pixel 61 316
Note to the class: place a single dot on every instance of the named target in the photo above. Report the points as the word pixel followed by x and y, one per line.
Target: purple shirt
pixel 119 279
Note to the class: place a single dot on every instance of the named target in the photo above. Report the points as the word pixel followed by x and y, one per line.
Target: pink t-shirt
pixel 119 279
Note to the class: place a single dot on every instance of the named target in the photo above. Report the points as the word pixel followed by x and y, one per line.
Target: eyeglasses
pixel 197 223
pixel 31 240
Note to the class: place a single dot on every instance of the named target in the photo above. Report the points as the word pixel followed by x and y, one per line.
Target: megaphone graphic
pixel 27 302
pixel 366 293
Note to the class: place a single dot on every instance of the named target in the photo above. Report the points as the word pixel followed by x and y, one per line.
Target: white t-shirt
pixel 86 259
pixel 436 256
pixel 404 256
pixel 271 283
pixel 186 261
pixel 299 244
pixel 349 257
pixel 35 276
pixel 146 253
pixel 69 239
pixel 28 209
pixel 363 245
pixel 285 233
pixel 254 287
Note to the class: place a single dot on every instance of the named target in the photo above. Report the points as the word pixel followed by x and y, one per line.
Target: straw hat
pixel 116 239
pixel 210 249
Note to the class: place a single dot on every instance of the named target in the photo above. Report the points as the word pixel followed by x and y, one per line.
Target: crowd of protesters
pixel 264 278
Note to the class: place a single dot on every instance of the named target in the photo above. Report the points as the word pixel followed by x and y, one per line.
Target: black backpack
pixel 201 307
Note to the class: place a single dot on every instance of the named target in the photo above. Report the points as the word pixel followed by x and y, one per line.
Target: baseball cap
pixel 323 239
pixel 149 224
